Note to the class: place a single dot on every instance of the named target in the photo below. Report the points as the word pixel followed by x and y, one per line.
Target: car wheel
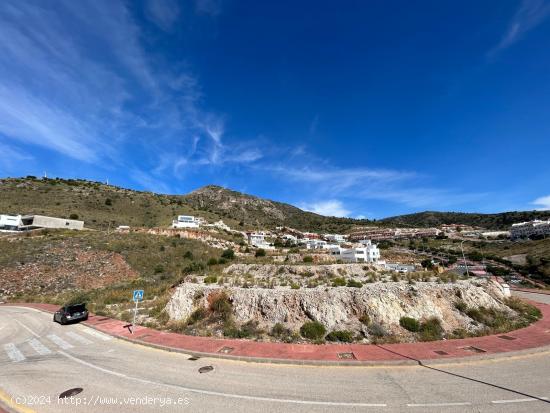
pixel 63 321
pixel 54 320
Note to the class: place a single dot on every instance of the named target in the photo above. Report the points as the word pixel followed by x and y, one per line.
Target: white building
pixel 315 244
pixel 403 268
pixel 28 222
pixel 368 253
pixel 186 221
pixel 290 237
pixel 527 229
pixel 257 239
pixel 337 238
pixel 220 225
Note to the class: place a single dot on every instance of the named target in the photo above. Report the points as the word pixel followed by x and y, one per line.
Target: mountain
pixel 102 206
pixel 259 212
pixel 500 221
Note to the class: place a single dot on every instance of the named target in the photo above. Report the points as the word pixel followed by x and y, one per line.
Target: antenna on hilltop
pixel 45 175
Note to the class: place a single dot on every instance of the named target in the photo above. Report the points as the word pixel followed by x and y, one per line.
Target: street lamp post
pixel 464 258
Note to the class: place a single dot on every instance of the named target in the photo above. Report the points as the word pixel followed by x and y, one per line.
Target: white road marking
pixel 13 352
pixel 220 394
pixel 59 341
pixel 27 328
pixel 39 347
pixel 79 338
pixel 438 404
pixel 97 334
pixel 518 400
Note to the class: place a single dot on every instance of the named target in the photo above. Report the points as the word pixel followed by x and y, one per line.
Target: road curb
pixel 402 360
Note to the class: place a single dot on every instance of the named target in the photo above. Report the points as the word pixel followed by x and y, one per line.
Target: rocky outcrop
pixel 341 307
pixel 272 270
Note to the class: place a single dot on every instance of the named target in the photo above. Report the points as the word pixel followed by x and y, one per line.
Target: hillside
pixel 101 206
pixel 261 212
pixel 490 221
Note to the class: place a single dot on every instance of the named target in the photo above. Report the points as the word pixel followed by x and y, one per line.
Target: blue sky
pixel 358 108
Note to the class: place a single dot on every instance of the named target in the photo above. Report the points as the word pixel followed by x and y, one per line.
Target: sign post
pixel 137 297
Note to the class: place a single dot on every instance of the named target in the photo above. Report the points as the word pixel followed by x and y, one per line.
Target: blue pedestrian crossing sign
pixel 138 295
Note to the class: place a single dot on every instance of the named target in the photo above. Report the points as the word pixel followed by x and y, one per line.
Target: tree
pixel 427 263
pixel 260 252
pixel 228 254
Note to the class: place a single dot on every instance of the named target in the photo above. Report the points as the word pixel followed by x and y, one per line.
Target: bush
pixel 197 315
pixel 354 284
pixel 344 336
pixel 338 282
pixel 228 254
pixel 431 330
pixel 365 319
pixel 73 216
pixel 377 330
pixel 212 261
pixel 220 304
pixel 308 259
pixel 260 252
pixel 409 323
pixel 159 269
pixel 461 306
pixel 528 311
pixel 108 202
pixel 313 330
pixel 211 279
pixel 188 255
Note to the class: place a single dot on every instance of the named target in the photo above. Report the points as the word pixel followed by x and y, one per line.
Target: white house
pixel 186 221
pixel 257 239
pixel 9 223
pixel 368 253
pixel 315 244
pixel 290 237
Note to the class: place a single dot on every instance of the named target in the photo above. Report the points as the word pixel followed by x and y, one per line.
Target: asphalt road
pixel 40 359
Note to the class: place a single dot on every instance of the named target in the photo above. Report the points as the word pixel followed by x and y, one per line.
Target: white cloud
pixel 530 14
pixel 542 203
pixel 330 208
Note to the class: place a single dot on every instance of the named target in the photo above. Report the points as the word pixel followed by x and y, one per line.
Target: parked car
pixel 71 313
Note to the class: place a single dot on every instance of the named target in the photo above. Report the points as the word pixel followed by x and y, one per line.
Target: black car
pixel 71 313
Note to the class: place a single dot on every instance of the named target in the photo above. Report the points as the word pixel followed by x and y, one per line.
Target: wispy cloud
pixel 530 14
pixel 542 203
pixel 331 208
pixel 164 13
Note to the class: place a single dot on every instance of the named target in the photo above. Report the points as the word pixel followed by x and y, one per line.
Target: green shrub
pixel 279 331
pixel 197 315
pixel 73 216
pixel 431 330
pixel 159 269
pixel 211 279
pixel 340 335
pixel 354 283
pixel 228 254
pixel 260 252
pixel 313 330
pixel 308 259
pixel 409 323
pixel 295 286
pixel 461 306
pixel 338 282
pixel 212 261
pixel 188 255
pixel 108 202
pixel 528 311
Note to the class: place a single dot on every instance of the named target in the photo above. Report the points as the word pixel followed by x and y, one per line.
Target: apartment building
pixel 367 253
pixel 186 221
pixel 528 229
pixel 13 223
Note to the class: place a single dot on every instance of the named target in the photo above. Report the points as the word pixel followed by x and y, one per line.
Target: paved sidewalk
pixel 531 337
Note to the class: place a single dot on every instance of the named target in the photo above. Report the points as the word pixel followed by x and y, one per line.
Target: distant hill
pixel 101 206
pixel 490 221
